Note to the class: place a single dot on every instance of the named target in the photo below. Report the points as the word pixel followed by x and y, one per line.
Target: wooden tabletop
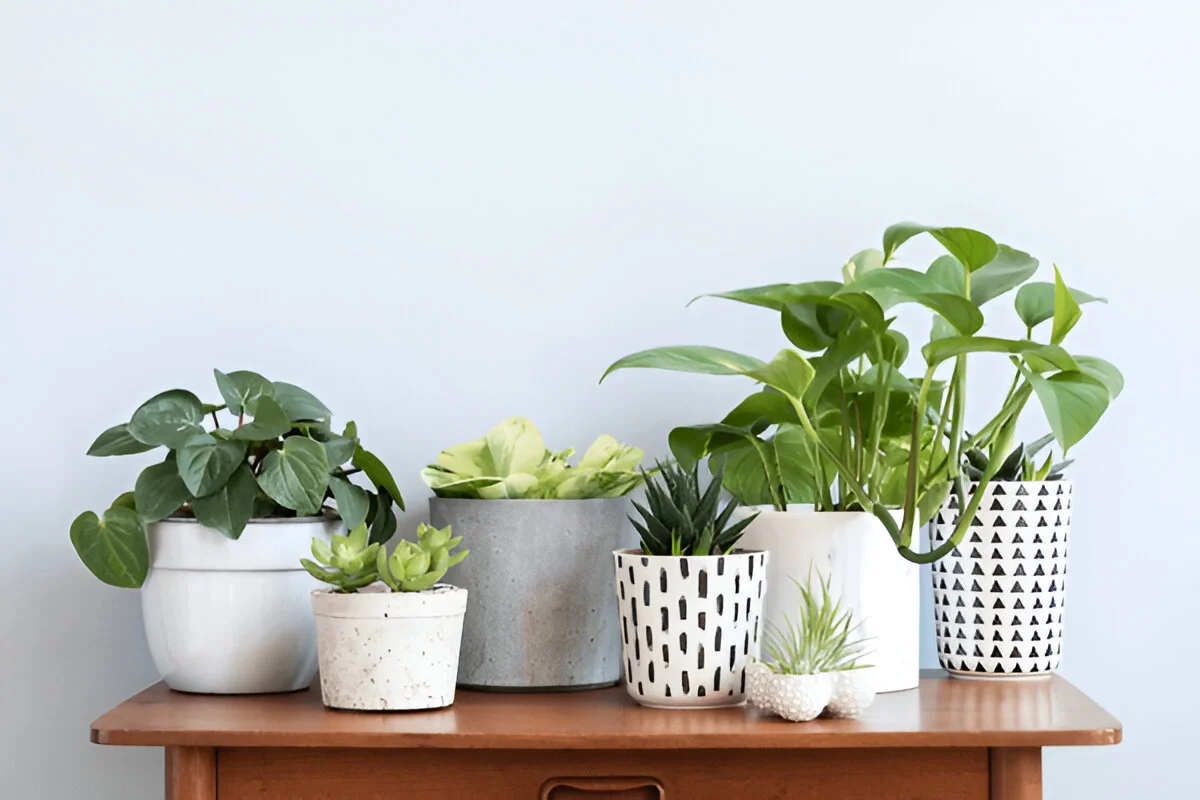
pixel 941 713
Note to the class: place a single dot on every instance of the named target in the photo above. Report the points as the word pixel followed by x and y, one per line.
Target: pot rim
pixel 254 520
pixel 528 500
pixel 450 602
pixel 632 551
pixel 806 510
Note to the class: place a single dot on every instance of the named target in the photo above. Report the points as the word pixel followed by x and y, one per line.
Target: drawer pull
pixel 602 789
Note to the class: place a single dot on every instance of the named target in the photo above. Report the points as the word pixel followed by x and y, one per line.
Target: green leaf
pixel 241 389
pixel 960 312
pixel 1049 358
pixel 862 262
pixel 948 275
pixel 296 476
pixel 169 419
pixel 117 441
pixel 299 405
pixel 113 548
pixel 352 502
pixel 377 473
pixel 802 325
pixel 768 405
pixel 941 329
pixel 159 491
pixel 972 248
pixel 126 500
pixel 939 350
pixel 776 295
pixel 270 421
pixel 788 371
pixel 206 463
pixel 1102 371
pixel 1035 302
pixel 1073 402
pixel 1066 310
pixel 848 347
pixel 383 524
pixel 1008 270
pixel 898 234
pixel 338 450
pixel 688 358
pixel 230 508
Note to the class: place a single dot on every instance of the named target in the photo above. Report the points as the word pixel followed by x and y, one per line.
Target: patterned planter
pixel 689 625
pixel 999 597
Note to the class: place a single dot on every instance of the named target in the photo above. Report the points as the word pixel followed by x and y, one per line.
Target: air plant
pixel 823 637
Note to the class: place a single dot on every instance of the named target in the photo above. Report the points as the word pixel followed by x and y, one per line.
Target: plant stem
pixel 216 422
pixel 960 530
pixel 914 457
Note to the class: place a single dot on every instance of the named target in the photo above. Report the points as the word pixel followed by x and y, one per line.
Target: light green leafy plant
pixel 845 429
pixel 347 563
pixel 512 462
pixel 823 638
pixel 413 567
pixel 276 456
pixel 682 520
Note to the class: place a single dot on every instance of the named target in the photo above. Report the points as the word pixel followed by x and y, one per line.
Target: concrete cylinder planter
pixel 999 597
pixel 232 617
pixel 853 550
pixel 543 615
pixel 389 651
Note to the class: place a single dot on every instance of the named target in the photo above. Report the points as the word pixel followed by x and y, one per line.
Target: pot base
pixel 668 707
pixel 583 687
pixel 979 676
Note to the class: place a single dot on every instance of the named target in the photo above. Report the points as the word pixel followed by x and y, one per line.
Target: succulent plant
pixel 1019 465
pixel 682 520
pixel 347 563
pixel 413 567
pixel 823 637
pixel 511 462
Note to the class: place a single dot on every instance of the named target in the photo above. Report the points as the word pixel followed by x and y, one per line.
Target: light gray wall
pixel 436 215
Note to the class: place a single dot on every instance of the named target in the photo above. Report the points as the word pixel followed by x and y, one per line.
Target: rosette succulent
pixel 413 567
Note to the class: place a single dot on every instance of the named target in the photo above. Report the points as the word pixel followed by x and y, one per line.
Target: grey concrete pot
pixel 542 613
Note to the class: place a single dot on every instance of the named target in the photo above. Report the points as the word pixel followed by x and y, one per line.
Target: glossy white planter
pixel 853 550
pixel 232 617
pixel 689 625
pixel 999 596
pixel 389 651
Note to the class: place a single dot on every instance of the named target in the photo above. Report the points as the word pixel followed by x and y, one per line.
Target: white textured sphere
pixel 797 698
pixel 853 693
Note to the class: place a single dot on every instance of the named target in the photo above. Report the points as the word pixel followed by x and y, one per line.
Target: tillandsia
pixel 1019 465
pixel 276 455
pixel 845 429
pixel 413 567
pixel 347 563
pixel 682 519
pixel 512 462
pixel 822 638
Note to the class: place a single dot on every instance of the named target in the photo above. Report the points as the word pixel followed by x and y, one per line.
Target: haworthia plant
pixel 276 455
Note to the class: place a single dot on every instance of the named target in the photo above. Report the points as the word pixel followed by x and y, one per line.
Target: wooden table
pixel 948 739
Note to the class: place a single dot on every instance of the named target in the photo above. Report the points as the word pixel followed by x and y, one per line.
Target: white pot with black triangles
pixel 999 597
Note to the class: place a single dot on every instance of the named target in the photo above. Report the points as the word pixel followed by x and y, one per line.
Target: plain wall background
pixel 435 215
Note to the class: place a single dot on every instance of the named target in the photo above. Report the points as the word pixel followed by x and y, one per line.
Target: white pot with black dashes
pixel 999 596
pixel 689 625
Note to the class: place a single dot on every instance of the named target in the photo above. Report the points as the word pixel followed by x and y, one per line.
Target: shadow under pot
pixel 689 625
pixel 542 616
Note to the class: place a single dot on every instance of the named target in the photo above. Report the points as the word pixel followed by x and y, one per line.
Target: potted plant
pixel 538 621
pixel 814 665
pixel 690 603
pixel 388 633
pixel 846 431
pixel 213 533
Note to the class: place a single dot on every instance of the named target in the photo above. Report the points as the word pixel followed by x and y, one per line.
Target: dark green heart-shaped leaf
pixel 1008 270
pixel 351 500
pixel 383 525
pixel 206 463
pixel 126 500
pixel 270 421
pixel 168 419
pixel 1073 402
pixel 300 405
pixel 688 358
pixel 229 508
pixel 118 441
pixel 159 492
pixel 113 548
pixel 338 450
pixel 296 476
pixel 241 389
pixel 802 326
pixel 1102 371
pixel 377 473
pixel 1035 302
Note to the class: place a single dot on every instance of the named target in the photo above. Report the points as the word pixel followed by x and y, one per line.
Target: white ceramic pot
pixel 232 617
pixel 389 651
pixel 853 550
pixel 999 596
pixel 799 698
pixel 689 625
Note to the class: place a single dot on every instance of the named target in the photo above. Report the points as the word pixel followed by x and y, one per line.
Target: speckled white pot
pixel 389 651
pixel 799 698
pixel 689 625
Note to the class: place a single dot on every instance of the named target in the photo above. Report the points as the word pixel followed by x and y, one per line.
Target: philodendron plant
pixel 276 456
pixel 348 563
pixel 844 428
pixel 512 462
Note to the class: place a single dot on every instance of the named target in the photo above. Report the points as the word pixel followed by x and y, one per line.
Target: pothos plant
pixel 838 424
pixel 276 455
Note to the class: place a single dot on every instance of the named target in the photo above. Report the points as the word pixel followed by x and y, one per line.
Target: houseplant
pixel 213 533
pixel 814 664
pixel 690 603
pixel 538 622
pixel 848 432
pixel 388 633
